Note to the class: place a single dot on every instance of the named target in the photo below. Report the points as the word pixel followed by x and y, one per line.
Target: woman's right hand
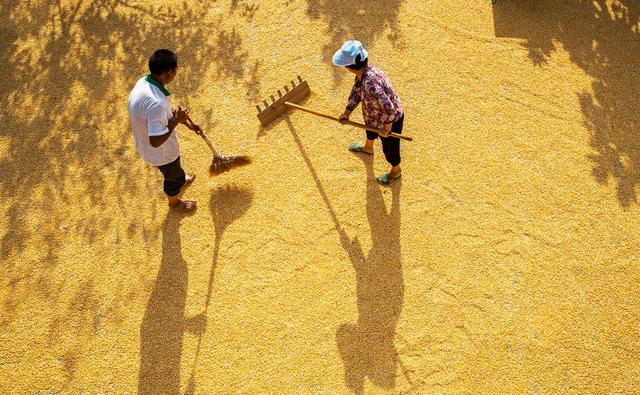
pixel 344 117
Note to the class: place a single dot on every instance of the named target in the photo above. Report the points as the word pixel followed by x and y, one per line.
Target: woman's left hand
pixel 386 129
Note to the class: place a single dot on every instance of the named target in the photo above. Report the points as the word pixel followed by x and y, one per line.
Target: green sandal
pixel 357 147
pixel 386 178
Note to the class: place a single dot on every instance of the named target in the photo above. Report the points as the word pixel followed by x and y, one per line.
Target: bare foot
pixel 184 206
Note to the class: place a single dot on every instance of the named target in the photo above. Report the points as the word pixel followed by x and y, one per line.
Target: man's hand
pixel 181 115
pixel 386 129
pixel 344 117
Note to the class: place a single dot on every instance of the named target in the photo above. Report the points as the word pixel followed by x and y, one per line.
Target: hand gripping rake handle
pixel 351 123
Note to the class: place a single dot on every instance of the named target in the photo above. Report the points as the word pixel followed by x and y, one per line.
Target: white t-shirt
pixel 150 112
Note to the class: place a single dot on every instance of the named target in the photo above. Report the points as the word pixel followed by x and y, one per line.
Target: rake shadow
pixel 227 204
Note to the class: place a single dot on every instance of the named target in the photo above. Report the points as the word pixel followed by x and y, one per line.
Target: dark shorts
pixel 390 145
pixel 174 177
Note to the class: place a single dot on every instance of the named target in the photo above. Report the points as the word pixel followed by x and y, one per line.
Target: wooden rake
pixel 298 91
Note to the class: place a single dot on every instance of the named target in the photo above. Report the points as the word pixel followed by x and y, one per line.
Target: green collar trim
pixel 152 81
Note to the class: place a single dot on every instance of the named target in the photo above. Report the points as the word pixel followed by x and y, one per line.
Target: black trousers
pixel 174 177
pixel 390 145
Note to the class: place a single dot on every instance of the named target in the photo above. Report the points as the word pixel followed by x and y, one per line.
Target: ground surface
pixel 506 261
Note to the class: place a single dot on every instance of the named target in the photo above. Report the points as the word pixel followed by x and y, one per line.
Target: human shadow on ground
pixel 602 38
pixel 163 325
pixel 367 348
pixel 363 20
pixel 228 204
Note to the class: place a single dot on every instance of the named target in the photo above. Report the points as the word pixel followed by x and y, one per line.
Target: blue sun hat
pixel 346 56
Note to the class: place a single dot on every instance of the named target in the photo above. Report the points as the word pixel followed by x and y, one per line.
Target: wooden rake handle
pixel 204 137
pixel 211 147
pixel 351 123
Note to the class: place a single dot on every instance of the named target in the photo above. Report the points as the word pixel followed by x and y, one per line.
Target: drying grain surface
pixel 505 261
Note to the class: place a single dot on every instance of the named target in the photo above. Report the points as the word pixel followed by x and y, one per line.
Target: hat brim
pixel 340 60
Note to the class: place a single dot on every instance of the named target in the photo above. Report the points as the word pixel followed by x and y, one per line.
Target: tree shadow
pixel 367 348
pixel 227 205
pixel 231 59
pixel 229 54
pixel 84 315
pixel 163 325
pixel 248 8
pixel 66 168
pixel 363 20
pixel 252 83
pixel 60 99
pixel 600 37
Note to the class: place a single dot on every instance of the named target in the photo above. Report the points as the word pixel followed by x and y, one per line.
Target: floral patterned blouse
pixel 380 103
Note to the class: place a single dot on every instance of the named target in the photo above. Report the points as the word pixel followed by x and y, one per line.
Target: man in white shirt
pixel 153 122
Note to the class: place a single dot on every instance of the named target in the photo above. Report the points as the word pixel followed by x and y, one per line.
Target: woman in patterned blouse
pixel 381 107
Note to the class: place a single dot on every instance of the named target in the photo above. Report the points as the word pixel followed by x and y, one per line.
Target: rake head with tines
pixel 298 91
pixel 225 163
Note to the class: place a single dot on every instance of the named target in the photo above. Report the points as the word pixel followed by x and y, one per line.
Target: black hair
pixel 162 60
pixel 359 63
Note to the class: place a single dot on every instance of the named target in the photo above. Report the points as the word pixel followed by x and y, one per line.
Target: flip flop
pixel 386 178
pixel 357 147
